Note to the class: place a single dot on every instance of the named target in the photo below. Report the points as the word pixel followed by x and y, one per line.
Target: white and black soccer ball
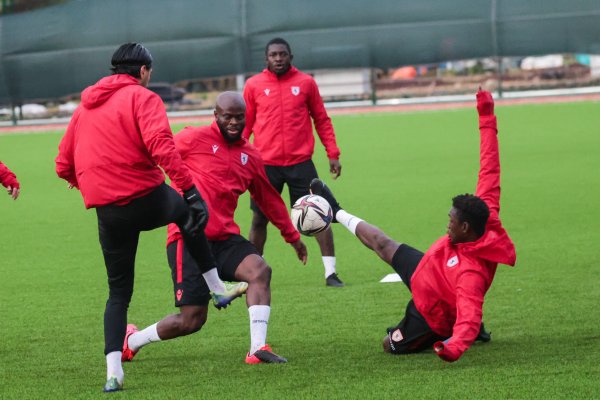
pixel 311 214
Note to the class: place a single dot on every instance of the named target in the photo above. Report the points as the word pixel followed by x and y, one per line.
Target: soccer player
pixel 280 102
pixel 113 151
pixel 9 181
pixel 224 165
pixel 448 283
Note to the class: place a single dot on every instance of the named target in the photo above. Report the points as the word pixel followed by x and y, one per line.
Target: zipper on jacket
pixel 281 134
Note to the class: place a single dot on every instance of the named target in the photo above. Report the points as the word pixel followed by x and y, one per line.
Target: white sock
pixel 114 367
pixel 329 263
pixel 259 321
pixel 139 339
pixel 348 220
pixel 215 284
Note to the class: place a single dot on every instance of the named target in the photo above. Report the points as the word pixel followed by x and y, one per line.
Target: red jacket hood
pixel 97 94
pixel 495 245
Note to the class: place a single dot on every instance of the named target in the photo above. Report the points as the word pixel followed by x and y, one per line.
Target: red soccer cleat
pixel 128 354
pixel 264 355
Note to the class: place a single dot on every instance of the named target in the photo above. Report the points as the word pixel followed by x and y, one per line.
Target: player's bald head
pixel 230 114
pixel 230 100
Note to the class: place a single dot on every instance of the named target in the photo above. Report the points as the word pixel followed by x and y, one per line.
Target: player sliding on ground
pixel 448 283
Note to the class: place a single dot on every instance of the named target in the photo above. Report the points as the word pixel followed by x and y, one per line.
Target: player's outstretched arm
pixel 488 184
pixel 271 203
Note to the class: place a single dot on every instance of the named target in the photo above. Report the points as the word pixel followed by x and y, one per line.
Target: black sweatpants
pixel 119 229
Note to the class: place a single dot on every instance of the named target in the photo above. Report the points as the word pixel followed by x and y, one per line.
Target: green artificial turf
pixel 399 172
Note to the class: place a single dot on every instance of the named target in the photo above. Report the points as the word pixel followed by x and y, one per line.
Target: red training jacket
pixel 222 171
pixel 116 141
pixel 7 177
pixel 450 282
pixel 279 111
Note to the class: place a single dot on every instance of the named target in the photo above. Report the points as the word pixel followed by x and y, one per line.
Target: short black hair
pixel 473 210
pixel 277 40
pixel 129 58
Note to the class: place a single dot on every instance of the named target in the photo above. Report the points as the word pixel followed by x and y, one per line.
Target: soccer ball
pixel 311 214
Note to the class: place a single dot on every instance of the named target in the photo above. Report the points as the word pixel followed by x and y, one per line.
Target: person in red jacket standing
pixel 448 283
pixel 224 166
pixel 9 181
pixel 113 150
pixel 280 102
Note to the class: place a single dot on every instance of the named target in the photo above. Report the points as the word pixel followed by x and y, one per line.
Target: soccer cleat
pixel 333 280
pixel 232 292
pixel 112 385
pixel 128 354
pixel 319 188
pixel 483 336
pixel 264 355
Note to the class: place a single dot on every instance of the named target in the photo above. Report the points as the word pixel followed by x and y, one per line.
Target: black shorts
pixel 412 334
pixel 189 287
pixel 405 261
pixel 297 177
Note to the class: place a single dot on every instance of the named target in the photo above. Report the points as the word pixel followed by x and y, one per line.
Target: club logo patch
pixel 267 91
pixel 452 261
pixel 244 158
pixel 295 90
pixel 397 335
pixel 179 294
pixel 215 148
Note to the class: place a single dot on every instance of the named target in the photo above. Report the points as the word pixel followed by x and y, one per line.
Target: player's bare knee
pixel 261 274
pixel 265 274
pixel 381 243
pixel 192 323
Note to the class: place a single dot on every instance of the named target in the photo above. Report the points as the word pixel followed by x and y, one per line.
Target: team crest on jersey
pixel 244 158
pixel 215 148
pixel 452 261
pixel 295 90
pixel 267 91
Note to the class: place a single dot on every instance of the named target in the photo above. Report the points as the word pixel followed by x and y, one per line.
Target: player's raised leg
pixel 370 235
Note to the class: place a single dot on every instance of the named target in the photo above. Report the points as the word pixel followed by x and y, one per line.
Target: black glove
pixel 198 216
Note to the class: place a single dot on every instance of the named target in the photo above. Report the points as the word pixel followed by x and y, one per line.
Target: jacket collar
pixel 219 136
pixel 291 72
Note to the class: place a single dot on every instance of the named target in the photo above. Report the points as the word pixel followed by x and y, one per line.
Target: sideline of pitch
pixel 355 107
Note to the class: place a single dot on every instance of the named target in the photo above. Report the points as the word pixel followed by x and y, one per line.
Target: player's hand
pixel 198 211
pixel 301 251
pixel 335 168
pixel 12 187
pixel 444 352
pixel 13 191
pixel 485 103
